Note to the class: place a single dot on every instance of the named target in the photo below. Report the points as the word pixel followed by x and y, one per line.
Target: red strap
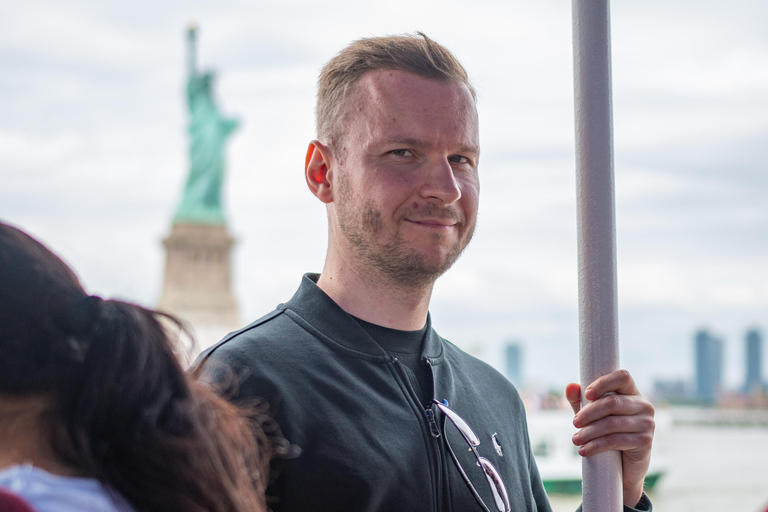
pixel 11 502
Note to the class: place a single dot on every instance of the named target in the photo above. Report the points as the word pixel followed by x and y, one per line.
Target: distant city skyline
pixel 707 386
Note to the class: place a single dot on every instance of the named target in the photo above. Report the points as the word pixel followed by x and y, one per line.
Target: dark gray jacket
pixel 366 442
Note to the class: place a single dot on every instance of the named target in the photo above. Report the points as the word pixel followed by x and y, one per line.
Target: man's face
pixel 406 182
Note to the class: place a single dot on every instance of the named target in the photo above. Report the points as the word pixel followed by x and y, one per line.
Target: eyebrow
pixel 418 143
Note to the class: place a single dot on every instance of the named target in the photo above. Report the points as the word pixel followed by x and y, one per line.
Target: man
pixel 388 415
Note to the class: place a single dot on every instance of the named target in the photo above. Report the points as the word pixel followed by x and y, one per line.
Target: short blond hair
pixel 417 54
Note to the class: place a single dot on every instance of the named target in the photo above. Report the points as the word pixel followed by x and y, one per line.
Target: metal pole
pixel 598 330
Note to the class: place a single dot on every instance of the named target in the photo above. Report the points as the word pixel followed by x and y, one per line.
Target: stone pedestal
pixel 198 280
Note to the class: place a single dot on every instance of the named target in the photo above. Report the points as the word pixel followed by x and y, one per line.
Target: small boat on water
pixel 557 457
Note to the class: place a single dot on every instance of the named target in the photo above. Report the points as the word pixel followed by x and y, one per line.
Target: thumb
pixel 573 395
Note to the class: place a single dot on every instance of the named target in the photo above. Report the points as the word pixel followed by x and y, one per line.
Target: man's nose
pixel 440 182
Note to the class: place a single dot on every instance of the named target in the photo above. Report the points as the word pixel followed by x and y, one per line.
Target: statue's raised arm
pixel 192 50
pixel 208 133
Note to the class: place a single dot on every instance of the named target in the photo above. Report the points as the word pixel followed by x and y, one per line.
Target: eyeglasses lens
pixel 457 420
pixel 495 482
pixel 496 485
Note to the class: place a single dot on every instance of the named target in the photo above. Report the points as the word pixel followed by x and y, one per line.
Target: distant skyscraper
pixel 514 364
pixel 709 366
pixel 754 361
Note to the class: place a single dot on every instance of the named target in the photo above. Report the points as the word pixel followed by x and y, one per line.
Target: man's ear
pixel 316 171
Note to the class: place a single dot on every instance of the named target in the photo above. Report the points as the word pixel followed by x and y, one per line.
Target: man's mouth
pixel 436 223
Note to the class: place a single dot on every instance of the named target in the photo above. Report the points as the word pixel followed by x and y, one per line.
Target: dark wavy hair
pixel 123 410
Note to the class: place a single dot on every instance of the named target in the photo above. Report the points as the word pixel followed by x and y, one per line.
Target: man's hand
pixel 621 420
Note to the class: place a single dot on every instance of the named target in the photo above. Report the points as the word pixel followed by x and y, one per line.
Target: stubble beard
pixel 360 223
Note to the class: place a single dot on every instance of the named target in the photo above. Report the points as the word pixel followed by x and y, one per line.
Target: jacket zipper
pixel 433 430
pixel 432 423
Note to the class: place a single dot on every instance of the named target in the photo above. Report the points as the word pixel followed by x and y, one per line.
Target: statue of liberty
pixel 208 132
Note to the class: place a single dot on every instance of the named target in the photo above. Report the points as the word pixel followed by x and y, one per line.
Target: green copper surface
pixel 208 134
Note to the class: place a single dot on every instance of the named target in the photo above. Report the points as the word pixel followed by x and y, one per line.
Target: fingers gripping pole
pixel 598 331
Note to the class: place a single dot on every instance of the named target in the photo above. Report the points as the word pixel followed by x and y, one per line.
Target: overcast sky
pixel 93 158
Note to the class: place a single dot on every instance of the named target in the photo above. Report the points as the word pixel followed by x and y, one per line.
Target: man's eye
pixel 458 159
pixel 401 152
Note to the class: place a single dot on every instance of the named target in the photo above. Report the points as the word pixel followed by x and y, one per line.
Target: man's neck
pixel 372 297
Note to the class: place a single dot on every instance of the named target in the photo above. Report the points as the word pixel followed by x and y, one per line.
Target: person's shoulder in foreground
pixel 47 491
pixel 96 411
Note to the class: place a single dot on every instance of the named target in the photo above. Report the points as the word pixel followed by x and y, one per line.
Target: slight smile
pixel 433 223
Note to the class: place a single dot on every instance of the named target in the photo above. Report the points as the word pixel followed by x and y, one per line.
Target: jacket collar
pixel 318 313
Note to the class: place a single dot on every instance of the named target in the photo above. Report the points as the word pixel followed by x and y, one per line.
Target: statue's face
pixel 207 80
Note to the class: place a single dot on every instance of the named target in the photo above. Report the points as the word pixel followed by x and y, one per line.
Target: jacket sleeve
pixel 644 505
pixel 537 487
